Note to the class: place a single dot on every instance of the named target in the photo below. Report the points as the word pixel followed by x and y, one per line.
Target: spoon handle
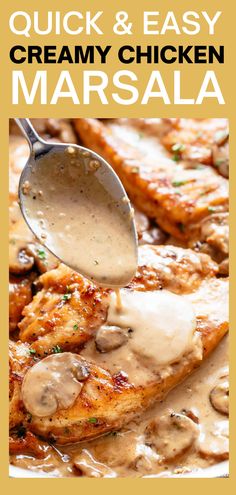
pixel 28 130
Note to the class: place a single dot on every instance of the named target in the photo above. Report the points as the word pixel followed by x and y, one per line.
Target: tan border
pixel 226 35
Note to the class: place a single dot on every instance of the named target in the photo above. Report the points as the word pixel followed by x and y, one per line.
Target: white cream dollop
pixel 163 323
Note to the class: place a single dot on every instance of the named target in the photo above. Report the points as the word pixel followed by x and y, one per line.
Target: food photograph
pixel 118 297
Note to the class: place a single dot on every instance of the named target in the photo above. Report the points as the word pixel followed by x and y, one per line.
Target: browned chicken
pixel 64 314
pixel 20 360
pixel 177 194
pixel 108 401
pixel 20 294
pixel 200 140
pixel 172 170
pixel 69 309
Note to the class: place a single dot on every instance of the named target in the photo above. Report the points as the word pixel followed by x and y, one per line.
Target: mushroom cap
pixel 53 383
pixel 172 434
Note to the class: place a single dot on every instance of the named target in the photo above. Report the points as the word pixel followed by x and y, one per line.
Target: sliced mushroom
pixel 172 435
pixel 19 261
pixel 145 458
pixel 142 222
pixel 109 338
pixel 215 231
pixel 219 395
pixel 44 260
pixel 148 232
pixel 53 383
pixel 91 468
pixel 24 254
pixel 214 441
pixel 152 236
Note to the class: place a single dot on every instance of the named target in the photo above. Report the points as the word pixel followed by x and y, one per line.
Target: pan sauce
pixel 156 337
pixel 126 453
pixel 74 213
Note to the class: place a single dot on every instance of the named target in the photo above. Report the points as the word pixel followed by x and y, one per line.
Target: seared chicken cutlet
pixel 177 194
pixel 193 140
pixel 118 376
pixel 20 294
pixel 64 314
pixel 200 140
pixel 20 360
pixel 92 367
pixel 69 309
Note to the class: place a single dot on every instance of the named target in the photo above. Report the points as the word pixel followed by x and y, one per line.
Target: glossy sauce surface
pixel 155 336
pixel 127 453
pixel 74 210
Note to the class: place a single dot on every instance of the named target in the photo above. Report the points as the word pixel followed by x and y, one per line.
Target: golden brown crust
pixel 197 138
pixel 108 402
pixel 54 323
pixel 25 442
pixel 111 401
pixel 177 197
pixel 20 360
pixel 69 309
pixel 20 294
pixel 64 313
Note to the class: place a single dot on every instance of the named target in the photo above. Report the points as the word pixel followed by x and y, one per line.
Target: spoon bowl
pixel 77 207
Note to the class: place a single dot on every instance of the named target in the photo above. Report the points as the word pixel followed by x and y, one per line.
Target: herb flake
pixel 177 148
pixel 92 420
pixel 66 297
pixel 181 227
pixel 178 183
pixel 41 254
pixel 32 351
pixel 56 349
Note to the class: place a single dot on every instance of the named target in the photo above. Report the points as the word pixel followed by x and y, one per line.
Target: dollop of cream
pixel 162 323
pixel 53 383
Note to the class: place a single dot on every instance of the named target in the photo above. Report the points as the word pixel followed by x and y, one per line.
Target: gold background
pixel 192 77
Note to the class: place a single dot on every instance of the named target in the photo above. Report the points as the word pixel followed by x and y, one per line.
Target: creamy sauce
pixel 154 336
pixel 53 383
pixel 163 323
pixel 130 452
pixel 76 211
pixel 126 453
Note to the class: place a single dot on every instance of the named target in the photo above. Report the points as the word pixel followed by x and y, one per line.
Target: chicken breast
pixel 20 360
pixel 200 140
pixel 20 294
pixel 177 194
pixel 69 309
pixel 64 314
pixel 109 400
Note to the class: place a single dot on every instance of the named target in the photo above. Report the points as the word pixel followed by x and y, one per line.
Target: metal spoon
pixel 76 206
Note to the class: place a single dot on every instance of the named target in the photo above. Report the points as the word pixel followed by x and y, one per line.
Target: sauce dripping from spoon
pixel 77 207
